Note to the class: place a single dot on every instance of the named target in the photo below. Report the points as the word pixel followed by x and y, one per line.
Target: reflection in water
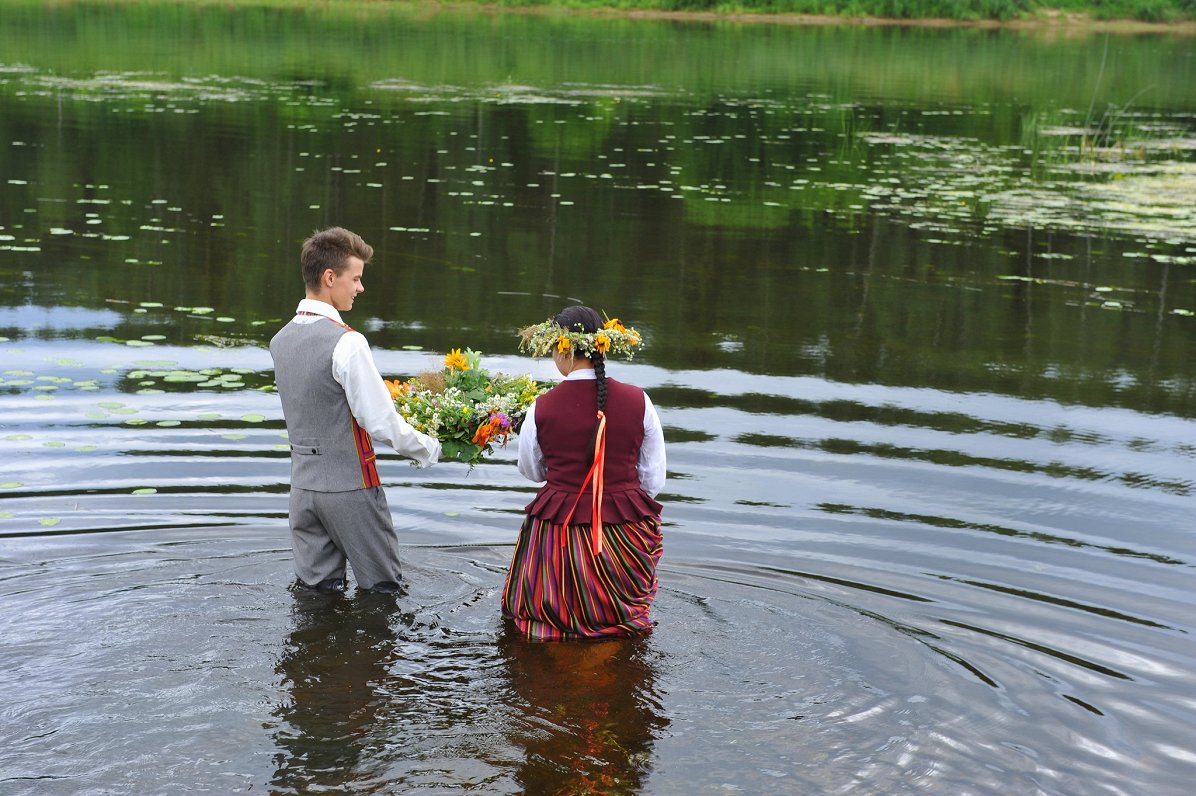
pixel 334 667
pixel 591 711
pixel 573 718
pixel 930 462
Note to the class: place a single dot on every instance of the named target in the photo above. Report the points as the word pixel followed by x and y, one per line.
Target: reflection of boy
pixel 333 402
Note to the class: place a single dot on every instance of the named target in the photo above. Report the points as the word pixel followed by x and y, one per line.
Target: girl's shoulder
pixel 622 385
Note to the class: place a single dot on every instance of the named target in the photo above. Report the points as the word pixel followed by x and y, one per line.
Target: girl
pixel 585 562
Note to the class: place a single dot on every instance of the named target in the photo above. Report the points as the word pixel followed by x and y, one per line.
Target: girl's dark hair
pixel 584 319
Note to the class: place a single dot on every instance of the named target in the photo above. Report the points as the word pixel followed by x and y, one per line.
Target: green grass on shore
pixel 1110 13
pixel 1141 10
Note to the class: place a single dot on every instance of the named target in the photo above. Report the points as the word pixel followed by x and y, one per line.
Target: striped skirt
pixel 558 591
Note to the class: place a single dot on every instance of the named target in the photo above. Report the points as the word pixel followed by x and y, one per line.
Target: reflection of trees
pixel 591 712
pixel 761 265
pixel 335 668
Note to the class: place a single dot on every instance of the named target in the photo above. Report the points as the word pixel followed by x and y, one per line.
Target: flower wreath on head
pixel 613 338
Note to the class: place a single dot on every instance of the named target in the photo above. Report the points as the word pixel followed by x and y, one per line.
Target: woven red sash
pixel 595 474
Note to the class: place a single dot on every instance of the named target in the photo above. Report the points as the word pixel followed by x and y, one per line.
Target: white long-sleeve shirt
pixel 651 464
pixel 369 400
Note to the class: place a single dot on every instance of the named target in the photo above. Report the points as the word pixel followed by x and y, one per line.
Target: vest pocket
pixel 309 446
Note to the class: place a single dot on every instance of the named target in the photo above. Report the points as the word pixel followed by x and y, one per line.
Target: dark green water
pixel 919 319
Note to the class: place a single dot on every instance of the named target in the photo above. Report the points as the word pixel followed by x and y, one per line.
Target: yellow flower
pixel 563 345
pixel 455 360
pixel 601 343
pixel 614 323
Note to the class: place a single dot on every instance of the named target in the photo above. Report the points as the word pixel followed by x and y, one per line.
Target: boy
pixel 333 402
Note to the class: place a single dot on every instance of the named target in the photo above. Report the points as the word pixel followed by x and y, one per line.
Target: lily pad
pixel 49 522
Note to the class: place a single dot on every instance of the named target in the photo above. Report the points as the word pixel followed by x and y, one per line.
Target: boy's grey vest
pixel 329 451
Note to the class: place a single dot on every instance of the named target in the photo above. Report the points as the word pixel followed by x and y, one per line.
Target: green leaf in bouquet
pixel 468 381
pixel 461 451
pixel 473 359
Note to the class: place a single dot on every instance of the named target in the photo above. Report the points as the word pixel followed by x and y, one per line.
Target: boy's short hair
pixel 331 248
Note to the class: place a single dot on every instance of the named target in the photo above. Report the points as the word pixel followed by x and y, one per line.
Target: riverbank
pixel 1066 18
pixel 1061 20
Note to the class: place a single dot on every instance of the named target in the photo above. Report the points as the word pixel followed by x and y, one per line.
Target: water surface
pixel 919 319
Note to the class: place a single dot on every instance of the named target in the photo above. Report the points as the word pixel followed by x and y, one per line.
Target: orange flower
pixel 396 387
pixel 489 429
pixel 455 360
pixel 614 323
pixel 563 345
pixel 601 343
pixel 482 435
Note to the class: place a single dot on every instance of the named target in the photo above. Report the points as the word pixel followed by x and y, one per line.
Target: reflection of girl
pixel 585 562
pixel 587 715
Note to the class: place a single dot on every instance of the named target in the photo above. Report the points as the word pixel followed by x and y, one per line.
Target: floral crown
pixel 545 338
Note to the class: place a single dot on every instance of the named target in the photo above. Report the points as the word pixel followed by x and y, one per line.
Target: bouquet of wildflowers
pixel 464 406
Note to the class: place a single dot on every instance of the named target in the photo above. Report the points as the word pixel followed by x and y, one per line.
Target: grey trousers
pixel 328 527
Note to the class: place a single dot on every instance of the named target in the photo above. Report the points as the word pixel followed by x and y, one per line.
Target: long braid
pixel 600 378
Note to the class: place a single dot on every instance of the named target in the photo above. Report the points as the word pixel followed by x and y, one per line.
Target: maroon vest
pixel 565 419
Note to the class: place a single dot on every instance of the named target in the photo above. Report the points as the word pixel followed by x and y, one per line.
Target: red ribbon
pixel 595 473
